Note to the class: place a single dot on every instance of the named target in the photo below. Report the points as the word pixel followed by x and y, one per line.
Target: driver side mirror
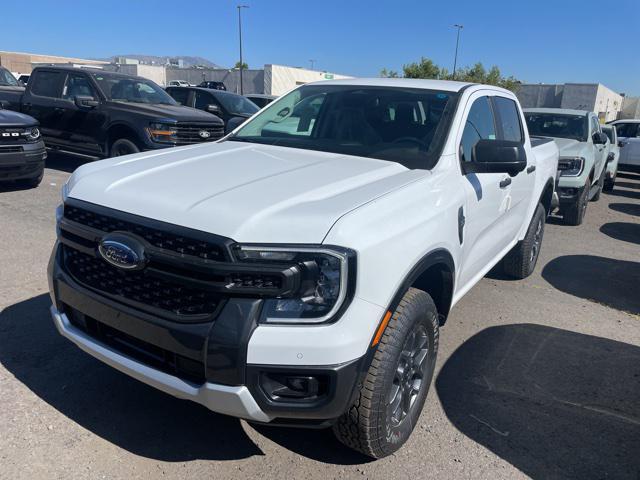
pixel 496 156
pixel 212 108
pixel 599 138
pixel 85 102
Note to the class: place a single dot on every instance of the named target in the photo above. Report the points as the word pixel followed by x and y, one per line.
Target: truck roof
pixel 561 111
pixel 446 85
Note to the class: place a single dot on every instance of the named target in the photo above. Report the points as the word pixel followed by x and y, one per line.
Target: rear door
pixel 485 234
pixel 42 100
pixel 629 137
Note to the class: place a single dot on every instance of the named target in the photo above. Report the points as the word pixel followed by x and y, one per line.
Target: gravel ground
pixel 537 378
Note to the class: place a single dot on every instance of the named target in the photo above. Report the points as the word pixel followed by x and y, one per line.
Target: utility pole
pixel 240 7
pixel 312 62
pixel 455 58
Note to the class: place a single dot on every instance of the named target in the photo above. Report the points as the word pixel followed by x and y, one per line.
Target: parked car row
pixel 298 272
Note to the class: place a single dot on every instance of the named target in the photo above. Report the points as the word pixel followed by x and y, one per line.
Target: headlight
pixel 324 278
pixel 570 166
pixel 162 132
pixel 32 133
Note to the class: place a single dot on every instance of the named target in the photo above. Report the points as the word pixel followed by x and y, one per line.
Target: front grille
pixel 151 355
pixel 174 242
pixel 138 288
pixel 11 149
pixel 190 132
pixel 12 135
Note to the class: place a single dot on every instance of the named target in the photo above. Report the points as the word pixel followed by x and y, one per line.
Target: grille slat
pixel 190 133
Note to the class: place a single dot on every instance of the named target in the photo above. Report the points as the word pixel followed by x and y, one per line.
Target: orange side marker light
pixel 383 325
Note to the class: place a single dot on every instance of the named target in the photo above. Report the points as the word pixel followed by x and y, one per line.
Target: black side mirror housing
pixel 212 108
pixel 85 102
pixel 599 138
pixel 496 156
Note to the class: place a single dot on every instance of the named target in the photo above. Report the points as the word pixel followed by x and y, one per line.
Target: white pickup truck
pixel 297 272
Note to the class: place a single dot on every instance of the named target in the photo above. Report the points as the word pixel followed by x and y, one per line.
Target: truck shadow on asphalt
pixel 626 232
pixel 627 208
pixel 64 162
pixel 553 403
pixel 613 282
pixel 130 414
pixel 624 193
pixel 627 184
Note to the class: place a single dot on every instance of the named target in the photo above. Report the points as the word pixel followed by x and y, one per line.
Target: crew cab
pixel 629 141
pixel 233 109
pixel 22 152
pixel 301 276
pixel 583 156
pixel 101 114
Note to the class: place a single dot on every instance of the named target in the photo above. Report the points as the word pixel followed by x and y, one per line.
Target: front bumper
pixel 225 383
pixel 22 161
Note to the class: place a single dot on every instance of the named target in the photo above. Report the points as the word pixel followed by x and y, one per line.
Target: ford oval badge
pixel 122 251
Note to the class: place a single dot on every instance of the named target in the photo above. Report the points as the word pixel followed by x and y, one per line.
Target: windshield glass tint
pixel 558 126
pixel 7 79
pixel 130 89
pixel 407 126
pixel 237 104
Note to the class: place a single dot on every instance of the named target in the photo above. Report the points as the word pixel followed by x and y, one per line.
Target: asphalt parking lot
pixel 537 378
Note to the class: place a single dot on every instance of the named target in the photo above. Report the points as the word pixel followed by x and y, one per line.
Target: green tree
pixel 244 65
pixel 425 68
pixel 384 73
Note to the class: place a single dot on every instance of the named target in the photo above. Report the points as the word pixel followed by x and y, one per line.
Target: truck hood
pixel 158 112
pixel 247 192
pixel 9 118
pixel 569 147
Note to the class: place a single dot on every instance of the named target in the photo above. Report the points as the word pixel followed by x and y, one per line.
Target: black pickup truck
pixel 103 114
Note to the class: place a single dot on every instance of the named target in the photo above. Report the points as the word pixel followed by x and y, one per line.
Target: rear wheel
pixel 392 395
pixel 574 214
pixel 123 146
pixel 521 260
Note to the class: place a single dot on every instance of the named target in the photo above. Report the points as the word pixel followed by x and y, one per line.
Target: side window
pixel 77 86
pixel 509 119
pixel 180 95
pixel 595 125
pixel 480 125
pixel 627 130
pixel 47 84
pixel 203 99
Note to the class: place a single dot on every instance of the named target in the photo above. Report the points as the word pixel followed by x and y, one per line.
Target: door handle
pixel 531 169
pixel 505 182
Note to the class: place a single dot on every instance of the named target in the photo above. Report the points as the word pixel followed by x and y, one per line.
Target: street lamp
pixel 240 7
pixel 312 62
pixel 455 58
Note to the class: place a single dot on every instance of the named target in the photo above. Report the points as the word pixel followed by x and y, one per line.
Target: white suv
pixel 297 272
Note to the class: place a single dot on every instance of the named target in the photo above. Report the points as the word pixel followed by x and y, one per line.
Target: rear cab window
pixel 509 122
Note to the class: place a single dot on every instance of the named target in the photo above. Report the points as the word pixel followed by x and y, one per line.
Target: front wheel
pixel 123 146
pixel 574 214
pixel 521 260
pixel 394 390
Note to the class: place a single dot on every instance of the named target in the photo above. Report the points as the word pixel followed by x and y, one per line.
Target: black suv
pixel 22 151
pixel 212 85
pixel 98 113
pixel 233 109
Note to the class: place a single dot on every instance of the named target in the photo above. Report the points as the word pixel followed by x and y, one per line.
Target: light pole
pixel 455 58
pixel 240 7
pixel 312 62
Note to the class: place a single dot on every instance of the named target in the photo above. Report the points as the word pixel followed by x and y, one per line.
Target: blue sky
pixel 536 41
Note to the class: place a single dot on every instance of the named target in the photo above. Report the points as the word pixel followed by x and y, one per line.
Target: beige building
pixel 17 62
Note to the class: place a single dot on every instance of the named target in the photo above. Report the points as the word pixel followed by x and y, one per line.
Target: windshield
pixel 119 88
pixel 7 79
pixel 408 126
pixel 556 125
pixel 236 104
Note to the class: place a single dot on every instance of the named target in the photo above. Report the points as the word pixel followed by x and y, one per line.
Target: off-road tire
pixel 609 183
pixel 123 146
pixel 574 214
pixel 368 426
pixel 521 260
pixel 596 197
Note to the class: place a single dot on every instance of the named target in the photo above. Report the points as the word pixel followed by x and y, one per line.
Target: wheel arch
pixel 546 198
pixel 121 130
